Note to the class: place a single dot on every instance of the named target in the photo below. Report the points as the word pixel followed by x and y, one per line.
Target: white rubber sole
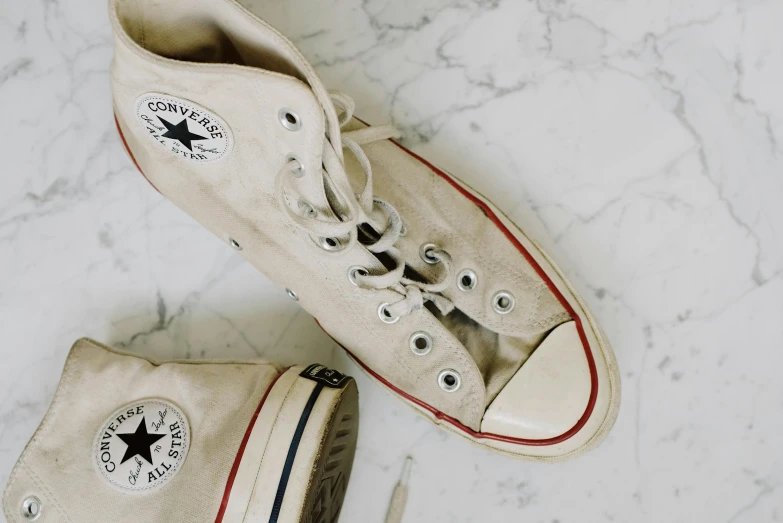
pixel 297 454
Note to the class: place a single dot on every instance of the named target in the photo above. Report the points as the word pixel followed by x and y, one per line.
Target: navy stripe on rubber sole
pixel 289 460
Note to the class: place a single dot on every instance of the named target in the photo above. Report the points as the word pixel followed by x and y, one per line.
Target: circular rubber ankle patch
pixel 142 445
pixel 184 128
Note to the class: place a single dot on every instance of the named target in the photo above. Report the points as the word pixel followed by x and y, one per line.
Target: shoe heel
pixel 299 451
pixel 332 469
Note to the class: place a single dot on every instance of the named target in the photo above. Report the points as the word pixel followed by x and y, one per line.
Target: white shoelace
pixel 354 210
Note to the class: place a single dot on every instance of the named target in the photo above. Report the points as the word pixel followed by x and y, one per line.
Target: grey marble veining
pixel 641 141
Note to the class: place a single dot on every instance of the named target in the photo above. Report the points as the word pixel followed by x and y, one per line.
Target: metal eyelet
pixel 421 343
pixel 292 294
pixel 296 172
pixel 235 244
pixel 306 209
pixel 385 316
pixel 289 119
pixel 329 244
pixel 354 270
pixel 503 302
pixel 467 280
pixel 424 252
pixel 31 508
pixel 449 380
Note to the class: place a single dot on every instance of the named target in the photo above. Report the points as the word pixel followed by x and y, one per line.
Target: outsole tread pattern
pixel 333 466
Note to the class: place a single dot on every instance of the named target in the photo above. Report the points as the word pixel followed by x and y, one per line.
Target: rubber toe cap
pixel 548 394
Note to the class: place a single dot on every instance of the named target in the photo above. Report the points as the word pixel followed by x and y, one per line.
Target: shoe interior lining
pixel 206 32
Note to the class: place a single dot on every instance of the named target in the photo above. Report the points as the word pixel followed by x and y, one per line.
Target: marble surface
pixel 642 141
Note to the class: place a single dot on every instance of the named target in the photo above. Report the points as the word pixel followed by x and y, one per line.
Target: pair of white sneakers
pixel 433 292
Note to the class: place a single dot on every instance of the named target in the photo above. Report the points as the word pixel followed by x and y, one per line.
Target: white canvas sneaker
pixel 429 287
pixel 127 440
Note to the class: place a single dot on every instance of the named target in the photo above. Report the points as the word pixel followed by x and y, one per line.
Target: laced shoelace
pixel 354 210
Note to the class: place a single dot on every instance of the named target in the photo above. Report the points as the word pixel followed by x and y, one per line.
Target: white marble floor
pixel 642 140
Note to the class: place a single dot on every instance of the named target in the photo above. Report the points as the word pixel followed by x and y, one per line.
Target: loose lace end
pixel 400 495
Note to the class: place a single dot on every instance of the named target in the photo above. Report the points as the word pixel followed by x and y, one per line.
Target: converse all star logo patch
pixel 184 128
pixel 329 377
pixel 142 445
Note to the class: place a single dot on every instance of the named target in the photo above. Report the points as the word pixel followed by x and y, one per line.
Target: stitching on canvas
pixel 263 455
pixel 46 491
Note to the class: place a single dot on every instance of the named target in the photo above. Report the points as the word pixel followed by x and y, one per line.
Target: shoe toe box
pixel 548 395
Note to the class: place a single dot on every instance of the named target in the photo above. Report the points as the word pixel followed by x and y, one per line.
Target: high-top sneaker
pixel 429 287
pixel 127 439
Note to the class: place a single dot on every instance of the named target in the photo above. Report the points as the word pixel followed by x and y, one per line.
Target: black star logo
pixel 139 442
pixel 180 132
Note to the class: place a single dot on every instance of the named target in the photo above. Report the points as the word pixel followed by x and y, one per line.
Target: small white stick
pixel 400 495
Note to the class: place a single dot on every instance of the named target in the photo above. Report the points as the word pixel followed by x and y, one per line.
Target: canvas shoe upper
pixel 428 286
pixel 127 439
